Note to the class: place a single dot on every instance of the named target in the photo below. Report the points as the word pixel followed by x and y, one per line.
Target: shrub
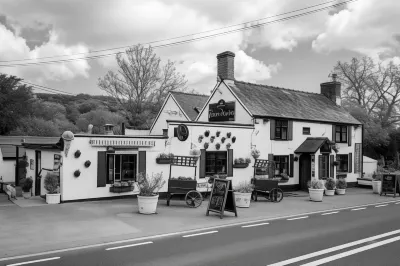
pixel 330 184
pixel 27 184
pixel 195 152
pixel 51 183
pixel 150 186
pixel 255 153
pixel 315 184
pixel 244 187
pixel 165 155
pixel 341 183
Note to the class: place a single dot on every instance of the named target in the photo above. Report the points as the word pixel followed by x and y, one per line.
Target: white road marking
pixel 352 252
pixel 180 232
pixel 297 218
pixel 252 225
pixel 132 245
pixel 327 213
pixel 333 249
pixel 383 205
pixel 33 261
pixel 358 209
pixel 397 203
pixel 199 234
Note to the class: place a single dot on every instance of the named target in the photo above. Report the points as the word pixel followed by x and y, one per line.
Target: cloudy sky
pixel 298 53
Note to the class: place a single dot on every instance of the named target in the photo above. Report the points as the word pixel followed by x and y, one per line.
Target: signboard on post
pixel 357 158
pixel 221 111
pixel 221 198
pixel 390 184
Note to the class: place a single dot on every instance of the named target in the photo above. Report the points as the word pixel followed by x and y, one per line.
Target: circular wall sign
pixel 183 132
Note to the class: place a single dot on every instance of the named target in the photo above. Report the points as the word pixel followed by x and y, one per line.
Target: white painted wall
pixel 7 169
pixel 85 186
pixel 369 167
pixel 223 92
pixel 170 111
pixel 136 132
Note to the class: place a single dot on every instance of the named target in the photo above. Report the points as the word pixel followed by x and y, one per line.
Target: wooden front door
pixel 305 170
pixel 38 168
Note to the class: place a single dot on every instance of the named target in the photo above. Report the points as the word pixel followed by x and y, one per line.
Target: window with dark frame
pixel 121 167
pixel 216 163
pixel 324 166
pixel 281 129
pixel 306 131
pixel 343 162
pixel 341 134
pixel 281 164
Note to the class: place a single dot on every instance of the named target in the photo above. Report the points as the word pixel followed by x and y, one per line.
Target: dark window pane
pixel 110 178
pixel 216 163
pixel 284 133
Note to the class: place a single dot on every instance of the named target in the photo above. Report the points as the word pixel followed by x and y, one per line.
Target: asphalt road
pixel 367 236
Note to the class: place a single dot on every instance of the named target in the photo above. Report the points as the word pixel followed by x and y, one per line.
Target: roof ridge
pixel 274 87
pixel 187 93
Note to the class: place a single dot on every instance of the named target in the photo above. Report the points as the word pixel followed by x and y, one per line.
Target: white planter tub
pixel 316 194
pixel 376 187
pixel 340 191
pixel 242 200
pixel 147 204
pixel 329 192
pixel 53 198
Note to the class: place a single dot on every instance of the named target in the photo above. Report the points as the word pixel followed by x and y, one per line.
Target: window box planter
pixel 163 160
pixel 240 165
pixel 121 189
pixel 181 186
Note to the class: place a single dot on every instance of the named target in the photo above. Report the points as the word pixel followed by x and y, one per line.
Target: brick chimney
pixel 332 90
pixel 226 66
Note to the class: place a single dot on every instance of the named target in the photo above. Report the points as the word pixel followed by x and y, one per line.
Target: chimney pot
pixel 226 66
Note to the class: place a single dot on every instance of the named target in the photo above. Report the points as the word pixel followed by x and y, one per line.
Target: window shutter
pixel 291 160
pixel 272 128
pixel 290 130
pixel 349 135
pixel 333 133
pixel 350 163
pixel 230 162
pixel 101 169
pixel 270 170
pixel 332 166
pixel 142 162
pixel 202 173
pixel 320 172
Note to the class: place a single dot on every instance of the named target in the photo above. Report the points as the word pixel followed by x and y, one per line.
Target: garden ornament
pixel 67 136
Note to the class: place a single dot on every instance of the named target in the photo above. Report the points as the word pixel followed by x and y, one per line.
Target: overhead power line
pixel 169 39
pixel 44 88
pixel 192 39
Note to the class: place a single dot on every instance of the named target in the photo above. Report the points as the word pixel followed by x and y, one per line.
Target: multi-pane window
pixel 341 134
pixel 343 162
pixel 306 131
pixel 281 129
pixel 324 166
pixel 216 162
pixel 281 164
pixel 121 167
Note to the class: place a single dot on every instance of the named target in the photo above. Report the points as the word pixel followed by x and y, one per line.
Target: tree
pixel 98 118
pixel 15 102
pixel 33 126
pixel 140 83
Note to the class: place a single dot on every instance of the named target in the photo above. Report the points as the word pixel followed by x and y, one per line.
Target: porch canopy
pixel 311 145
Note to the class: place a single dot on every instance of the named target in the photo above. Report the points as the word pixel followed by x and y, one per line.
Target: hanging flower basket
pixel 77 173
pixel 233 139
pixel 218 133
pixel 228 135
pixel 212 139
pixel 223 139
pixel 77 154
pixel 217 146
pixel 201 138
pixel 87 163
pixel 296 159
pixel 228 146
pixel 207 133
pixel 206 145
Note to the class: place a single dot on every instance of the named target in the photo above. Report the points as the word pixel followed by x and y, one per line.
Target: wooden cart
pixel 266 187
pixel 193 198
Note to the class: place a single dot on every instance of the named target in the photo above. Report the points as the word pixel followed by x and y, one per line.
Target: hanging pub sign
pixel 181 132
pixel 221 111
pixel 221 198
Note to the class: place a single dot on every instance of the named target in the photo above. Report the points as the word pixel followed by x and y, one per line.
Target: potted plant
pixel 228 135
pixel 376 183
pixel 242 194
pixel 201 138
pixel 330 187
pixel 77 154
pixel 195 152
pixel 241 163
pixel 87 163
pixel 341 185
pixel 207 133
pixel 255 153
pixel 26 187
pixel 228 146
pixel 316 189
pixel 218 133
pixel 148 192
pixel 77 173
pixel 217 146
pixel 164 158
pixel 212 139
pixel 233 139
pixel 223 139
pixel 51 184
pixel 206 145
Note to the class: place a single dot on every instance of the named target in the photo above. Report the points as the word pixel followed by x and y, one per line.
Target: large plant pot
pixel 340 191
pixel 377 187
pixel 147 204
pixel 242 200
pixel 329 192
pixel 316 194
pixel 26 195
pixel 53 198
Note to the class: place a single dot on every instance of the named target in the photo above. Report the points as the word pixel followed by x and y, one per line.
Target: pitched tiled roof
pixel 268 101
pixel 189 102
pixel 17 140
pixel 9 151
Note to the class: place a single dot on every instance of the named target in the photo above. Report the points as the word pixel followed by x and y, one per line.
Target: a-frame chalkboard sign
pixel 221 198
pixel 390 184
